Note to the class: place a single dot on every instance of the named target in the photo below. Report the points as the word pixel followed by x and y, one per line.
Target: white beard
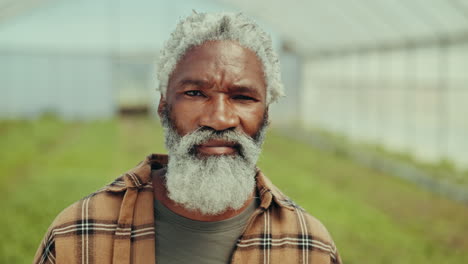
pixel 210 184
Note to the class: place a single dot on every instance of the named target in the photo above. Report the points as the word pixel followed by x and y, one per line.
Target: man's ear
pixel 162 106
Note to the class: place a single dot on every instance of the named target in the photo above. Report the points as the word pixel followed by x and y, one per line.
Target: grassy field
pixel 374 218
pixel 443 169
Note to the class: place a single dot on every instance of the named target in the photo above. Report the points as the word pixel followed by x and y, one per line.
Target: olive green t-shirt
pixel 182 240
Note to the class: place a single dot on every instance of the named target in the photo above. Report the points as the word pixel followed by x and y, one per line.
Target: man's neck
pixel 160 194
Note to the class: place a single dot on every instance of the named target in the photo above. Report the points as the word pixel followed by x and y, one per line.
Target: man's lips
pixel 217 147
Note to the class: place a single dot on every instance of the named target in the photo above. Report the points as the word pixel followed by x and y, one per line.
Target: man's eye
pixel 193 93
pixel 244 98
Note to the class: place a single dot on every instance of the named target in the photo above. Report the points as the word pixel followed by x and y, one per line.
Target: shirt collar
pixel 140 176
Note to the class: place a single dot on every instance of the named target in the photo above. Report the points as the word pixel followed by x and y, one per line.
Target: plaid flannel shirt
pixel 116 225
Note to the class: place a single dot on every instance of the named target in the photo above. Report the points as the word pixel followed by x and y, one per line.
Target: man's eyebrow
pixel 193 82
pixel 244 89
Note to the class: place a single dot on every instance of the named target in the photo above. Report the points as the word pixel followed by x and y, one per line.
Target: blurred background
pixel 371 137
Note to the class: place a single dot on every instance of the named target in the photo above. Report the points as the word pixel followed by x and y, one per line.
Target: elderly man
pixel 206 202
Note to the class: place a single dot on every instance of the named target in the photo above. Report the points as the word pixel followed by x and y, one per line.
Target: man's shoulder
pixel 298 220
pixel 121 209
pixel 103 206
pixel 289 216
pixel 291 231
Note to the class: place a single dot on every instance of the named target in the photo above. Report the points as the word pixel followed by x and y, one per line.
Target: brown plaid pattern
pixel 116 225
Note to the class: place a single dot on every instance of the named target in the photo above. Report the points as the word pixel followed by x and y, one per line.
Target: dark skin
pixel 219 85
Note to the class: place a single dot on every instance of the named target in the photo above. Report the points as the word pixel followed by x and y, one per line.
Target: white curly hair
pixel 199 28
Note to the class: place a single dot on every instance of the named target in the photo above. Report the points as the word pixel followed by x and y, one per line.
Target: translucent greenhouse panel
pixel 457 105
pixel 70 86
pixel 316 94
pixel 388 98
pixel 324 101
pixel 426 111
pixel 286 110
pixel 5 84
pixel 336 86
pixel 396 75
pixel 401 18
pixel 444 17
pixel 310 91
pixel 350 94
pixel 20 104
pixel 374 91
pixel 99 91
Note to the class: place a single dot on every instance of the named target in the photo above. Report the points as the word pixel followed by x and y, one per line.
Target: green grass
pixel 443 169
pixel 374 218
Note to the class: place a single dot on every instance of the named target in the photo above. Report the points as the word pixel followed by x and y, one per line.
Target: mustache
pixel 248 147
pixel 238 139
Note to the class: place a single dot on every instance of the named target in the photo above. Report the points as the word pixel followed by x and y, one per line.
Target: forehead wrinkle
pixel 220 70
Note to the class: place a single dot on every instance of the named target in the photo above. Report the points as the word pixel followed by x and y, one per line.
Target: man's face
pixel 218 85
pixel 215 117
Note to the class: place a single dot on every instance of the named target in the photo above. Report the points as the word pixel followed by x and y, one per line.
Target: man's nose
pixel 219 114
